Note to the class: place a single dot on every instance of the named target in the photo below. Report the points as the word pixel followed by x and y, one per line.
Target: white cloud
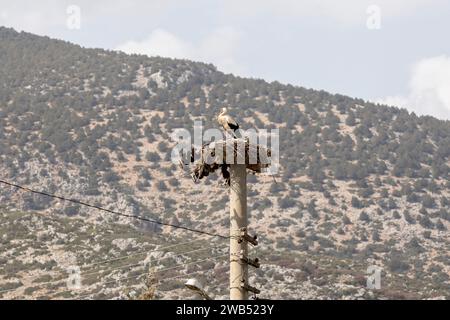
pixel 345 11
pixel 159 42
pixel 221 47
pixel 44 17
pixel 429 89
pixel 218 47
pixel 33 18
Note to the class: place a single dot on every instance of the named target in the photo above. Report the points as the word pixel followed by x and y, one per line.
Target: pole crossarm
pixel 252 262
pixel 245 237
pixel 249 288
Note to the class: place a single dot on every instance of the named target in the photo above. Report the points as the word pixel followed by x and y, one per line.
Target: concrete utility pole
pixel 238 222
pixel 237 178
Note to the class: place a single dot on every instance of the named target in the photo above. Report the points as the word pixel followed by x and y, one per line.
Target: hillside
pixel 360 184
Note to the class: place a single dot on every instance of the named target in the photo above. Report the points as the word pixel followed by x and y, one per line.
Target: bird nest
pixel 221 154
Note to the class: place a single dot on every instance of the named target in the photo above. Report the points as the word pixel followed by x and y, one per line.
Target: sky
pixel 389 51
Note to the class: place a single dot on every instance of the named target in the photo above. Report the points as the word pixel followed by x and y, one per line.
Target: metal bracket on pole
pixel 252 262
pixel 245 237
pixel 249 288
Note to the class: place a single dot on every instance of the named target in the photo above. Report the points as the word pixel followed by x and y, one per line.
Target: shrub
pixel 376 236
pixel 426 222
pixel 408 217
pixel 161 186
pixel 440 226
pixel 396 264
pixel 356 203
pixel 174 182
pixel 286 202
pixel 346 220
pixel 363 216
pixel 428 201
pixel 152 156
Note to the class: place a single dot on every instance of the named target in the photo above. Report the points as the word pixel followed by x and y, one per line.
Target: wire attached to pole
pixel 112 211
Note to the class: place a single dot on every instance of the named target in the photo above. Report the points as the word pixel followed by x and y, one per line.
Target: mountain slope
pixel 361 184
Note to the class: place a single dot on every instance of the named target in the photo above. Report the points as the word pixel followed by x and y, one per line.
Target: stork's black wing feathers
pixel 233 127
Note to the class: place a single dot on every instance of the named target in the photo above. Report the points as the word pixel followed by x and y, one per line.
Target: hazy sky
pixel 395 51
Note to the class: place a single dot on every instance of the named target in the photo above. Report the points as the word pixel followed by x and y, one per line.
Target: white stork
pixel 227 122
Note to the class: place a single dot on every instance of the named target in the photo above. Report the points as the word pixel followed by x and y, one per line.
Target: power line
pixel 140 253
pixel 63 272
pixel 172 278
pixel 55 282
pixel 137 276
pixel 104 261
pixel 112 211
pixel 138 264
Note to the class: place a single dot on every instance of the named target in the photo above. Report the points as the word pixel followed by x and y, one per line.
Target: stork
pixel 227 122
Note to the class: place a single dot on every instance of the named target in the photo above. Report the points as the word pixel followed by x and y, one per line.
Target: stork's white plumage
pixel 227 122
